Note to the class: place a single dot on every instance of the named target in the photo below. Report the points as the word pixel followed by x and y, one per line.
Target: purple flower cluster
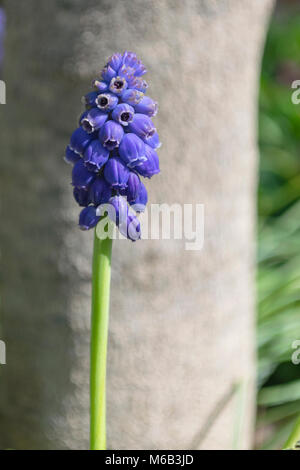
pixel 114 145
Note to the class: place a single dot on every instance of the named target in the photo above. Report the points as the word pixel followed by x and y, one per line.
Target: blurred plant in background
pixel 279 231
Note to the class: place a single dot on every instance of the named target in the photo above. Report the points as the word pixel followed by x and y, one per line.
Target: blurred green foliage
pixel 279 233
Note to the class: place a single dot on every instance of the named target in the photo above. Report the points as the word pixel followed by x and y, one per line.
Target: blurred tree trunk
pixel 181 350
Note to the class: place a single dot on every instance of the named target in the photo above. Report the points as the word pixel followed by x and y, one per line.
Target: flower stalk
pixel 99 336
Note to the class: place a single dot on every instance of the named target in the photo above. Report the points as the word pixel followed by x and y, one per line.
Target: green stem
pixel 294 437
pixel 99 334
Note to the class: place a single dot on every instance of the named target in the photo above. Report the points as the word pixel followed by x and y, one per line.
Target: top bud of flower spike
pixel 115 145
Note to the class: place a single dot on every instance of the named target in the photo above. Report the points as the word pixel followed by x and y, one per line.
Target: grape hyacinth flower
pixel 116 137
pixel 113 148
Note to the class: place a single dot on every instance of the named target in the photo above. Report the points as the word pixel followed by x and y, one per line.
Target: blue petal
pixel 92 120
pixel 80 140
pixel 100 191
pixel 133 187
pixel 81 197
pixel 142 126
pixel 71 156
pixel 106 101
pixel 149 167
pixel 147 106
pixel 132 96
pixel 140 202
pixel 95 156
pixel 132 150
pixel 108 73
pixel 81 176
pixel 116 173
pixel 111 134
pixel 88 218
pixel 123 114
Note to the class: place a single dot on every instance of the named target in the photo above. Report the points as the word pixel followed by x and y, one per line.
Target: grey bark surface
pixel 181 340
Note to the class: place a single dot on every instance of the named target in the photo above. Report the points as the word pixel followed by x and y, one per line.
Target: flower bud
pixel 95 156
pixel 154 141
pixel 88 218
pixel 71 156
pixel 132 150
pixel 138 83
pixel 116 173
pixel 108 73
pixel 123 114
pixel 81 176
pixel 115 61
pixel 100 191
pixel 90 98
pixel 81 196
pixel 142 126
pixel 147 106
pixel 111 134
pixel 132 96
pixel 130 60
pixel 80 140
pixel 150 166
pixel 92 120
pixel 99 85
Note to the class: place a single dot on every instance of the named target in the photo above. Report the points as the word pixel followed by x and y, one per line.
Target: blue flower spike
pixel 115 146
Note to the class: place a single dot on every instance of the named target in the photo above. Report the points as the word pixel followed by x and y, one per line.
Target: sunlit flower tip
pixel 111 134
pixel 100 191
pixel 80 140
pixel 132 96
pixel 100 86
pixel 154 141
pixel 138 83
pixel 149 167
pixel 90 98
pixel 115 61
pixel 108 73
pixel 139 205
pixel 142 126
pixel 123 114
pixel 81 177
pixel 116 173
pixel 132 150
pixel 71 156
pixel 133 187
pixel 95 156
pixel 81 196
pixel 147 106
pixel 118 85
pixel 106 101
pixel 88 218
pixel 92 120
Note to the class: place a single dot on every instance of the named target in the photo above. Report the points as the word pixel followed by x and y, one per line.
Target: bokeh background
pixel 278 230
